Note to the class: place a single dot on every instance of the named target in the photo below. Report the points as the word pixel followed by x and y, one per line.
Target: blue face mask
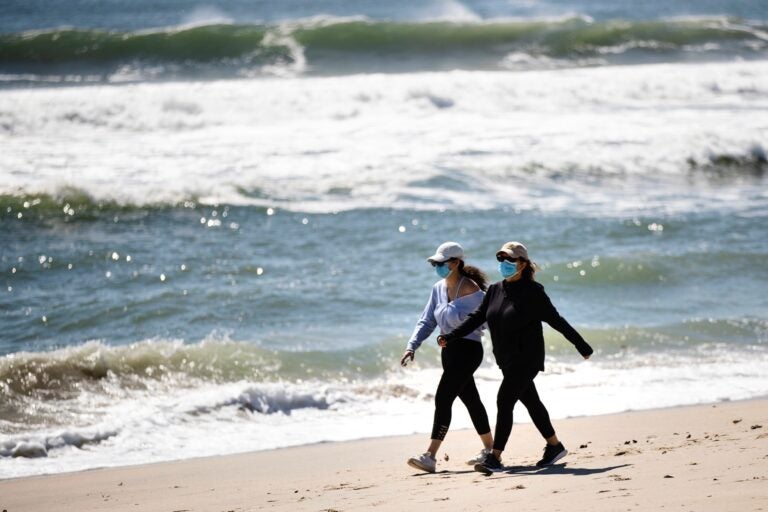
pixel 507 269
pixel 442 270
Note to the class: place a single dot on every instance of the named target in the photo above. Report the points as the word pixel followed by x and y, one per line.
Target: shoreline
pixel 700 457
pixel 423 434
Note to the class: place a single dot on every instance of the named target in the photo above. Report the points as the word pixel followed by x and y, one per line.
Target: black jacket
pixel 514 312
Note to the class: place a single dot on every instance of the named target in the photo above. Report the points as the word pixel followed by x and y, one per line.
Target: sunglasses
pixel 441 263
pixel 502 257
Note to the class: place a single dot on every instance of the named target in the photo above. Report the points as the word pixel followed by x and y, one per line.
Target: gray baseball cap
pixel 447 251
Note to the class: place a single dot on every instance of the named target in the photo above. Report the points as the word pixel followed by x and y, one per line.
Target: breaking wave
pixel 354 45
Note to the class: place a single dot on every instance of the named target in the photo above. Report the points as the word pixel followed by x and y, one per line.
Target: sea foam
pixel 209 418
pixel 575 138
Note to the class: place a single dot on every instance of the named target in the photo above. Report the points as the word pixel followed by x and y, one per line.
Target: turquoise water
pixel 287 280
pixel 32 15
pixel 65 42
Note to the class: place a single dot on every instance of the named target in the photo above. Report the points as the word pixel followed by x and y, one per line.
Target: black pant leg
pixel 460 360
pixel 513 386
pixel 444 397
pixel 471 399
pixel 536 410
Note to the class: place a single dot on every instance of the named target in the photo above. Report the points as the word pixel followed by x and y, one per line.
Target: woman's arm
pixel 426 324
pixel 549 314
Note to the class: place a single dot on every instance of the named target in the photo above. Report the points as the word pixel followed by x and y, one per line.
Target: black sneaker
pixel 552 454
pixel 489 465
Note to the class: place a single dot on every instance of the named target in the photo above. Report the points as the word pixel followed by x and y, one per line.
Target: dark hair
pixel 529 271
pixel 474 274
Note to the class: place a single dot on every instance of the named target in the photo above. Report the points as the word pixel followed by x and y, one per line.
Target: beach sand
pixel 707 457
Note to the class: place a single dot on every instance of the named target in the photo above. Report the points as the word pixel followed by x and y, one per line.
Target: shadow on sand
pixel 557 469
pixel 446 472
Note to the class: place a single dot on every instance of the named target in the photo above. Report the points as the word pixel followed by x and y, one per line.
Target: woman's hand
pixel 442 341
pixel 406 356
pixel 587 357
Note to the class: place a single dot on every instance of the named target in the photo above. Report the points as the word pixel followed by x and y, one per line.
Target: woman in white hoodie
pixel 459 292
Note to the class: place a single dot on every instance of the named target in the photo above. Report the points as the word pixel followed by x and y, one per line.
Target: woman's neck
pixel 453 278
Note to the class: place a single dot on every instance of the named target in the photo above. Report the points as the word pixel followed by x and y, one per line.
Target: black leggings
pixel 518 385
pixel 460 360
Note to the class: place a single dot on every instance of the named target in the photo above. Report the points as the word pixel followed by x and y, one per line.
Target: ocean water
pixel 214 218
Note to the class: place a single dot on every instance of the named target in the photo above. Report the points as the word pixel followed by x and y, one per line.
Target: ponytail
pixel 529 271
pixel 474 274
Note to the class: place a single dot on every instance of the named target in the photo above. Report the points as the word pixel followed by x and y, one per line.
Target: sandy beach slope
pixel 700 458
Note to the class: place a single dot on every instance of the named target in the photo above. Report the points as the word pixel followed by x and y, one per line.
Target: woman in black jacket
pixel 514 309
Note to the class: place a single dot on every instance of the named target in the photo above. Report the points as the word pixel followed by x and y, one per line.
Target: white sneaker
pixel 479 458
pixel 424 462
